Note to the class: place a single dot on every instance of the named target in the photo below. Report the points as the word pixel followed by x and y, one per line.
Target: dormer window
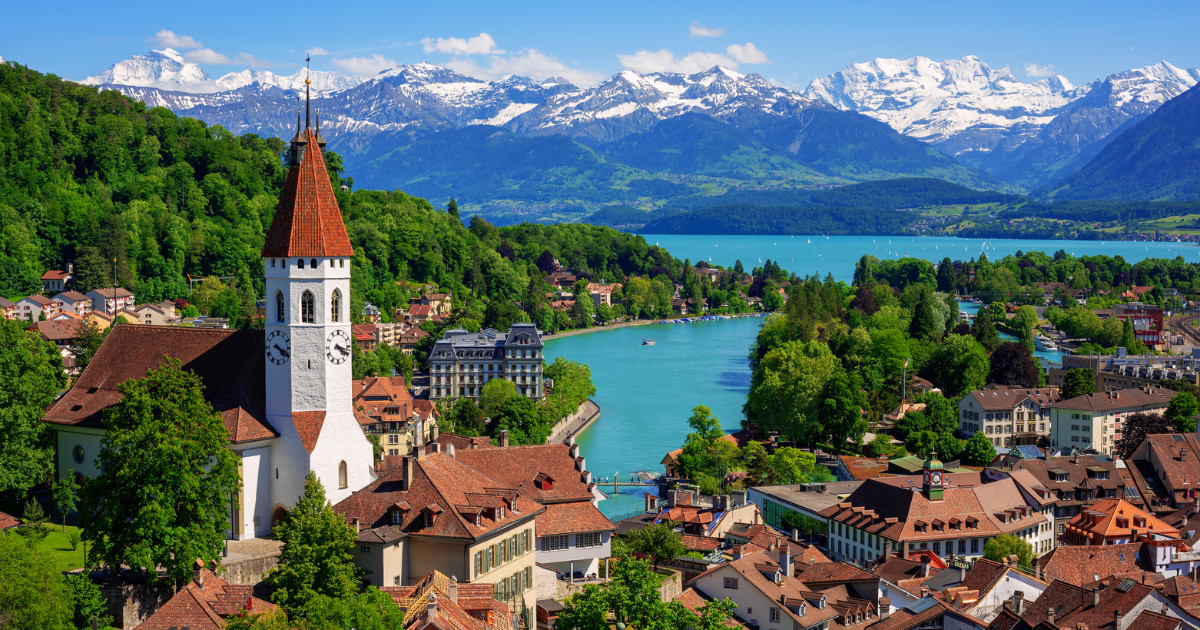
pixel 478 520
pixel 397 518
pixel 429 519
pixel 500 515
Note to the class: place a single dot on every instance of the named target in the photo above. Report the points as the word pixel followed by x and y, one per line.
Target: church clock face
pixel 279 347
pixel 337 347
pixel 937 478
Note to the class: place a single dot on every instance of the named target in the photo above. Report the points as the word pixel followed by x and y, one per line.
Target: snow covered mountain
pixel 1030 133
pixel 168 70
pixel 958 105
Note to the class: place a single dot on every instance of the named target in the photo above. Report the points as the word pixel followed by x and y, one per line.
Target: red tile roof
pixel 228 362
pixel 443 486
pixel 55 274
pixel 1083 564
pixel 8 521
pixel 519 466
pixel 308 425
pixel 1148 398
pixel 566 518
pixel 461 607
pixel 57 329
pixel 307 220
pixel 204 607
pixel 73 296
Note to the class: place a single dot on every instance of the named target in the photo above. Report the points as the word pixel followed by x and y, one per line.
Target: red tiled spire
pixel 307 220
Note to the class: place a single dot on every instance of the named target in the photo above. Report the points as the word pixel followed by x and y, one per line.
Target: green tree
pixel 65 493
pixel 924 324
pixel 33 595
pixel 466 418
pixel 705 424
pixel 985 331
pixel 1001 547
pixel 947 281
pixel 88 341
pixel 632 599
pixel 1078 382
pixel 792 465
pixel 31 375
pixel 34 524
pixel 494 394
pixel 523 420
pixel 841 405
pixel 88 602
pixel 658 542
pixel 978 451
pixel 452 209
pixel 958 365
pixel 369 610
pixel 785 389
pixel 501 315
pixel 162 497
pixel 318 547
pixel 1181 412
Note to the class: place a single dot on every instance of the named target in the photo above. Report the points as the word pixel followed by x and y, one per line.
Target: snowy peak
pixel 1148 86
pixel 322 82
pixel 164 69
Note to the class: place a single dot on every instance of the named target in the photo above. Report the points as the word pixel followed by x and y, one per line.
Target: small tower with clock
pixel 306 261
pixel 935 478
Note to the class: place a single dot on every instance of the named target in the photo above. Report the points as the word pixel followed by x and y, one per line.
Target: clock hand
pixel 282 352
pixel 341 349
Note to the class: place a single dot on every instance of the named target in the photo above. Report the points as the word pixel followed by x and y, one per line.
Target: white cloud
pixel 170 39
pixel 747 53
pixel 317 52
pixel 648 61
pixel 528 62
pixel 208 56
pixel 481 44
pixel 365 66
pixel 1035 70
pixel 699 30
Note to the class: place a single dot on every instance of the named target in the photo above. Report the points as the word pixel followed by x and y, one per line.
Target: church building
pixel 284 393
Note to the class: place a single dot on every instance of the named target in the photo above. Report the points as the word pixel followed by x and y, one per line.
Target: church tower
pixel 306 261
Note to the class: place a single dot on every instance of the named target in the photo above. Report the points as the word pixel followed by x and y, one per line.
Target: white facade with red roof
pixel 284 394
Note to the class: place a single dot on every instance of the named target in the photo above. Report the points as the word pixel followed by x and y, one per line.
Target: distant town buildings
pixel 1008 417
pixel 1094 421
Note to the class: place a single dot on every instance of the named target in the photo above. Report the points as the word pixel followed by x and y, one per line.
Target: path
pixel 580 331
pixel 582 419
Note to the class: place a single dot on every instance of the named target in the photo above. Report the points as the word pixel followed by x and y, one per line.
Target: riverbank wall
pixel 576 423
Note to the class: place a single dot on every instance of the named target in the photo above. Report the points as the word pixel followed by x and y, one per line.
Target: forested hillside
pixel 87 177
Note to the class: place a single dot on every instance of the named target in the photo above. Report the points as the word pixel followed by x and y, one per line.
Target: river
pixel 646 393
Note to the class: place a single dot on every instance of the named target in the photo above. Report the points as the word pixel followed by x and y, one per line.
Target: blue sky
pixel 789 42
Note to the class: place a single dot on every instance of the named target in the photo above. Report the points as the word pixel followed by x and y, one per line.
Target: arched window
pixel 342 475
pixel 335 306
pixel 300 263
pixel 279 306
pixel 272 262
pixel 306 307
pixel 313 263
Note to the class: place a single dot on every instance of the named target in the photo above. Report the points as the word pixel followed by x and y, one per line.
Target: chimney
pixel 785 560
pixel 924 566
pixel 1050 615
pixel 198 573
pixel 1018 603
pixel 434 431
pixel 450 450
pixel 924 591
pixel 434 447
pixel 431 607
pixel 885 608
pixel 795 534
pixel 1183 455
pixel 1095 596
pixel 1014 561
pixel 962 574
pixel 453 589
pixel 408 470
pixel 1117 619
pixel 503 438
pixel 357 525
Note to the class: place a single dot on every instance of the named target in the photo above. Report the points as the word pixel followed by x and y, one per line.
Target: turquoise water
pixel 1054 356
pixel 646 393
pixel 809 254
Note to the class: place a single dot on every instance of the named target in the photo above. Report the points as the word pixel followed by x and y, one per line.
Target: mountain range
pixel 544 147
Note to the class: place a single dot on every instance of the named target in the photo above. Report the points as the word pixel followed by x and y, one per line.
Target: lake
pixel 806 255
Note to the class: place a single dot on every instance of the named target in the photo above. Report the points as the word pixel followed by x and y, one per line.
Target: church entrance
pixel 277 515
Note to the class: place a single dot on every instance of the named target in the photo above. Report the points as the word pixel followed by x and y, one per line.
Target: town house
pixel 110 300
pixel 461 363
pixel 1073 482
pixel 73 302
pixel 1094 420
pixel 1008 417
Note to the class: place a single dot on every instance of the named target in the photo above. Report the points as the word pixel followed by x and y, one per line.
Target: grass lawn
pixel 57 545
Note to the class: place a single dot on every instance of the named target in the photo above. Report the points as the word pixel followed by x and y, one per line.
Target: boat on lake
pixel 647 342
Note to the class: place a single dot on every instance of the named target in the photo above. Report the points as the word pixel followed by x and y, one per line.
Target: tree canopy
pixel 31 375
pixel 162 498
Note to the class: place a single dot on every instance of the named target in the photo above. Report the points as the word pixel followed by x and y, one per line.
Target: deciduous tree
pixel 31 375
pixel 1181 411
pixel 658 542
pixel 1000 547
pixel 162 497
pixel 32 593
pixel 1135 428
pixel 1013 365
pixel 978 450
